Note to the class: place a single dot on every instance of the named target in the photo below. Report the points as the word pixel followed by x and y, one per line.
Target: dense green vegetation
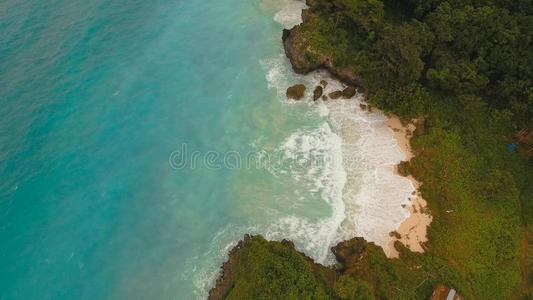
pixel 480 51
pixel 274 270
pixel 466 67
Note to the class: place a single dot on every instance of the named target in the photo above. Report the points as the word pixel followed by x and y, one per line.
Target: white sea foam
pixel 316 157
pixel 356 178
pixel 373 196
pixel 288 12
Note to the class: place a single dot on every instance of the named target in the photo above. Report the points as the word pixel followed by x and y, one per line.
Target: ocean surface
pixel 140 140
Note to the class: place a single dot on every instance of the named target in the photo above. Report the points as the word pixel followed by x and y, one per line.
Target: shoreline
pixel 412 232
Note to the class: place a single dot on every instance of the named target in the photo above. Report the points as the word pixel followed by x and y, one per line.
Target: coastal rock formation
pixel 296 92
pixel 226 280
pixel 304 58
pixel 254 259
pixel 348 92
pixel 317 93
pixel 335 95
pixel 323 83
pixel 349 252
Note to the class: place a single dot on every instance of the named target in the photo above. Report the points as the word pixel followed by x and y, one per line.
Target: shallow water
pixel 100 101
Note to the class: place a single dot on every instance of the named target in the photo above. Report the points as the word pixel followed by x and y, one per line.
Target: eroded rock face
pixel 304 58
pixel 349 252
pixel 317 93
pixel 345 75
pixel 226 280
pixel 296 92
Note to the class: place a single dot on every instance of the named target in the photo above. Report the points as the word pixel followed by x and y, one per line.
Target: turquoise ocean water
pixel 94 98
pixel 100 100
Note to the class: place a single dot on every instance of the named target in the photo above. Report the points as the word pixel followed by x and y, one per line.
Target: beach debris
pixel 443 292
pixel 317 93
pixel 296 92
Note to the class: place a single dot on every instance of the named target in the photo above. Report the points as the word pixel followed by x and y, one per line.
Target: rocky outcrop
pixel 304 58
pixel 226 281
pixel 345 75
pixel 348 92
pixel 335 95
pixel 317 93
pixel 296 92
pixel 349 252
pixel 242 256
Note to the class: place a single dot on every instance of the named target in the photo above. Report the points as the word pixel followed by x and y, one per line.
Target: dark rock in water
pixel 335 95
pixel 362 106
pixel 348 92
pixel 324 83
pixel 296 92
pixel 324 98
pixel 317 93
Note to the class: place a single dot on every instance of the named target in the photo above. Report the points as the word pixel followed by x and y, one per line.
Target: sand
pixel 413 231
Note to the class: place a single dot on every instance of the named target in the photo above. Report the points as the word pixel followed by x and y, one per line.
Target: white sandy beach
pixel 413 231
